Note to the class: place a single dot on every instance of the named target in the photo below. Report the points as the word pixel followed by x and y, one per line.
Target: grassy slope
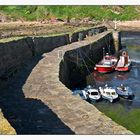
pixel 95 12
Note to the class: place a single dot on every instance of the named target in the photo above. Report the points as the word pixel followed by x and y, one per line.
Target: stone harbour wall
pixel 13 54
pixel 95 30
pixel 46 44
pixel 40 91
pixel 80 62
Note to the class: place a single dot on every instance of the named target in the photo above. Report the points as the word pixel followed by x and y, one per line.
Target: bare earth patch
pixel 12 29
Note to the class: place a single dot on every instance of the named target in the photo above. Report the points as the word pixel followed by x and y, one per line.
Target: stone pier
pixel 40 104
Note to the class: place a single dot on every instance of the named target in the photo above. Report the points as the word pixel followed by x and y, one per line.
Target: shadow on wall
pixel 72 74
pixel 27 115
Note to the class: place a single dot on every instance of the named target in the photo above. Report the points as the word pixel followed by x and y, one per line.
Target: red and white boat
pixel 124 62
pixel 107 64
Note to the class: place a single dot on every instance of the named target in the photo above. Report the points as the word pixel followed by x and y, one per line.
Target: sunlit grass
pixel 47 12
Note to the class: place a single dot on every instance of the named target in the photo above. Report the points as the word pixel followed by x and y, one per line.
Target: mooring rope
pixel 89 58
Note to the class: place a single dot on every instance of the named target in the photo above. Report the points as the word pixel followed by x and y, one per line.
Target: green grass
pixel 129 119
pixel 46 12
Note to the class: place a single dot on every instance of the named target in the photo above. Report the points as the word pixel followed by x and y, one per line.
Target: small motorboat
pixel 124 63
pixel 92 93
pixel 89 93
pixel 125 92
pixel 108 93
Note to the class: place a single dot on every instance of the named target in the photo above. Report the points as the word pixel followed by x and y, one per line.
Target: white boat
pixel 108 93
pixel 92 93
pixel 125 92
pixel 89 93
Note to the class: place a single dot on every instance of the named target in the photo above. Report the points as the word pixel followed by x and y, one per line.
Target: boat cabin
pixel 92 93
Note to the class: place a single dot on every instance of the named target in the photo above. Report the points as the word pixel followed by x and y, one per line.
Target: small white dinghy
pixel 92 94
pixel 125 92
pixel 108 93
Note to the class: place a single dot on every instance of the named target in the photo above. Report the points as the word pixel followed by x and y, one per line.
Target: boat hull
pixel 110 99
pixel 122 69
pixel 104 69
pixel 126 95
pixel 94 100
pixel 126 68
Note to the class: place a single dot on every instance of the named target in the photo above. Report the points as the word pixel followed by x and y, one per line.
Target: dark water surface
pixel 124 112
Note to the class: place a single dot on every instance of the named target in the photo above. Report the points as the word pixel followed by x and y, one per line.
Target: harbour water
pixel 124 112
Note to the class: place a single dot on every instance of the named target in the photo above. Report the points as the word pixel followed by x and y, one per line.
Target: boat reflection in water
pixel 121 76
pixel 103 78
